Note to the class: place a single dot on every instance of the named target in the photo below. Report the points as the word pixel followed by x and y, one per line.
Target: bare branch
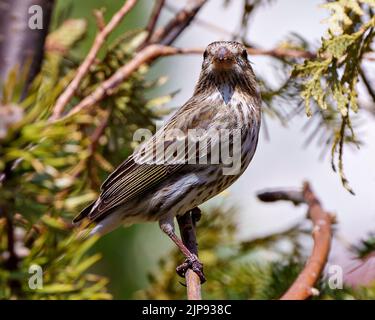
pixel 167 34
pixel 291 195
pixel 368 85
pixel 90 58
pixel 153 20
pixel 146 55
pixel 303 286
pixel 282 53
pixel 205 24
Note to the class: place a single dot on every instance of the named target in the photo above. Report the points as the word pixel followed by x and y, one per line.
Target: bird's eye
pixel 244 54
pixel 205 54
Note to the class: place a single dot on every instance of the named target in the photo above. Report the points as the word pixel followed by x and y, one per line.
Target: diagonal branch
pixel 90 58
pixel 106 88
pixel 203 23
pixel 167 34
pixel 159 4
pixel 368 85
pixel 303 286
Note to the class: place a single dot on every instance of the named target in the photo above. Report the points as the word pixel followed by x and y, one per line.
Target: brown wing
pixel 134 178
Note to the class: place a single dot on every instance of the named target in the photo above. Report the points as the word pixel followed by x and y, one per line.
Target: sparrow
pixel 199 152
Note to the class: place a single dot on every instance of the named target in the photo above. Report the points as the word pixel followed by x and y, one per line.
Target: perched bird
pixel 224 113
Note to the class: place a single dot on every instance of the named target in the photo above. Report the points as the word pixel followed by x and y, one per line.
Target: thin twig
pixel 159 4
pixel 303 286
pixel 368 85
pixel 203 23
pixel 90 58
pixel 167 34
pixel 94 141
pixel 87 162
pixel 99 18
pixel 187 229
pixel 282 53
pixel 98 133
pixel 276 195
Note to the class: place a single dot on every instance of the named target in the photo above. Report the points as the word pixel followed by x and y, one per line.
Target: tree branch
pixel 303 286
pixel 159 4
pixel 100 38
pixel 94 141
pixel 146 56
pixel 203 23
pixel 164 35
pixel 366 82
pixel 167 34
pixel 187 229
pixel 107 87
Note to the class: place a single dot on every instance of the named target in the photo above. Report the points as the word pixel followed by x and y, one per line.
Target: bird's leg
pixel 187 230
pixel 187 224
pixel 192 261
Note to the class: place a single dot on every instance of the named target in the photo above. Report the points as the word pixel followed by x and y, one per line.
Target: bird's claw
pixel 194 264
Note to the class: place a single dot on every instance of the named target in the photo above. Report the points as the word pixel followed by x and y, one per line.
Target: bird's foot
pixel 194 264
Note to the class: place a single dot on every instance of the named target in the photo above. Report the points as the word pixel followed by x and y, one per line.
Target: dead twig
pixel 167 34
pixel 159 4
pixel 303 286
pixel 205 24
pixel 99 18
pixel 90 58
pixel 368 85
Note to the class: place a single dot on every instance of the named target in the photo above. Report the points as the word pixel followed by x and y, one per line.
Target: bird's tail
pixel 84 213
pixel 84 224
pixel 88 227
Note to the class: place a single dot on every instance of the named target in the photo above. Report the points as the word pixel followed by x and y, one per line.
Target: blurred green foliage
pixel 52 169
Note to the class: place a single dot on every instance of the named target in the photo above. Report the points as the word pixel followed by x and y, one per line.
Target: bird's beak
pixel 223 58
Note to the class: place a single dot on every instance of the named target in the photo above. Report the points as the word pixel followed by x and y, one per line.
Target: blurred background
pixel 282 160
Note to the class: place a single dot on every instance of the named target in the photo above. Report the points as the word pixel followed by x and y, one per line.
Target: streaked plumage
pixel 225 97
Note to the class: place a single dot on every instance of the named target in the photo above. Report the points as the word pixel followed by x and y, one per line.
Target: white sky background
pixel 283 161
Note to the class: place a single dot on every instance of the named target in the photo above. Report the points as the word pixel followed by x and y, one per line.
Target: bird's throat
pixel 226 90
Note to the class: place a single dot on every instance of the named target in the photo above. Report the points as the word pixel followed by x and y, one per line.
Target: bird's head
pixel 226 67
pixel 225 56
